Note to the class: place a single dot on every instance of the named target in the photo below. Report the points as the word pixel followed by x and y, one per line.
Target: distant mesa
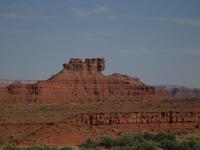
pixel 80 81
pixel 180 91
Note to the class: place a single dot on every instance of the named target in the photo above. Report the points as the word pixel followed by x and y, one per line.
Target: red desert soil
pixel 28 125
pixel 81 102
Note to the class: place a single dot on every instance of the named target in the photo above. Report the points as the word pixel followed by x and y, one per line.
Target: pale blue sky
pixel 155 40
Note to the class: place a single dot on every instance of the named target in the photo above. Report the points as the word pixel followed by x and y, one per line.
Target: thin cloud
pixel 121 16
pixel 188 21
pixel 85 13
pixel 95 37
pixel 178 20
pixel 135 51
pixel 192 22
pixel 21 31
pixel 146 51
pixel 81 13
pixel 178 51
pixel 101 9
pixel 75 1
pixel 20 16
pixel 17 5
pixel 191 51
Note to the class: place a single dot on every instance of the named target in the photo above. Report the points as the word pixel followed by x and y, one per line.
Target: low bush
pixel 135 142
pixel 189 145
pixel 10 147
pixel 108 142
pixel 143 146
pixel 129 140
pixel 169 145
pixel 66 148
pixel 164 136
pixel 148 136
pixel 137 146
pixel 41 148
pixel 145 141
pixel 89 143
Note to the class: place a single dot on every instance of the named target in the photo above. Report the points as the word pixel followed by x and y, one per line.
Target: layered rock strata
pixel 157 121
pixel 144 121
pixel 80 81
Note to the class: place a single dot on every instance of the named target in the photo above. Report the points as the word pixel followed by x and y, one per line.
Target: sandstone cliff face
pixel 144 121
pixel 80 81
pixel 155 121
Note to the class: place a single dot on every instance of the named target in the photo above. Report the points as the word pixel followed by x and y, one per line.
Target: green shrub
pixel 148 146
pixel 41 148
pixel 139 138
pixel 164 136
pixel 148 136
pixel 89 143
pixel 169 145
pixel 129 140
pixel 84 148
pixel 66 148
pixel 108 142
pixel 143 146
pixel 189 145
pixel 125 141
pixel 10 147
pixel 135 142
pixel 137 146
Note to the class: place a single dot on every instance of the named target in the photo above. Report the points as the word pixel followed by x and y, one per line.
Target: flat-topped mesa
pixel 90 66
pixel 80 81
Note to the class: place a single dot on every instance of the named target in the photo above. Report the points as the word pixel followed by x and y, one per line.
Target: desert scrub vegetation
pixel 10 147
pixel 143 141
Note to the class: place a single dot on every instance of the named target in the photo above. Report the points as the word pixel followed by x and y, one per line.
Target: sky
pixel 157 41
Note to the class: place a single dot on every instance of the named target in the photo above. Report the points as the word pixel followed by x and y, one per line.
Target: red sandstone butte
pixel 80 81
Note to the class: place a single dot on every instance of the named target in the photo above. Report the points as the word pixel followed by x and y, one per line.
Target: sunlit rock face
pixel 80 81
pixel 150 121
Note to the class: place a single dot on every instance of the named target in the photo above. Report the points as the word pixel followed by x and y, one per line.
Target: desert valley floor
pixel 59 125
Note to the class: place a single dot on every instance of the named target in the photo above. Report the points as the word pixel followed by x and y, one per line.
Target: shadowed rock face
pixel 80 81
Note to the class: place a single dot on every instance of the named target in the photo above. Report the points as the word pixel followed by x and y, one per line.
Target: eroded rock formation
pixel 80 81
pixel 149 121
pixel 158 121
pixel 95 119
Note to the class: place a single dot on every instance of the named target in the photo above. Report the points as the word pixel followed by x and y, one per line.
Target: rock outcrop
pixel 157 121
pixel 80 81
pixel 149 121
